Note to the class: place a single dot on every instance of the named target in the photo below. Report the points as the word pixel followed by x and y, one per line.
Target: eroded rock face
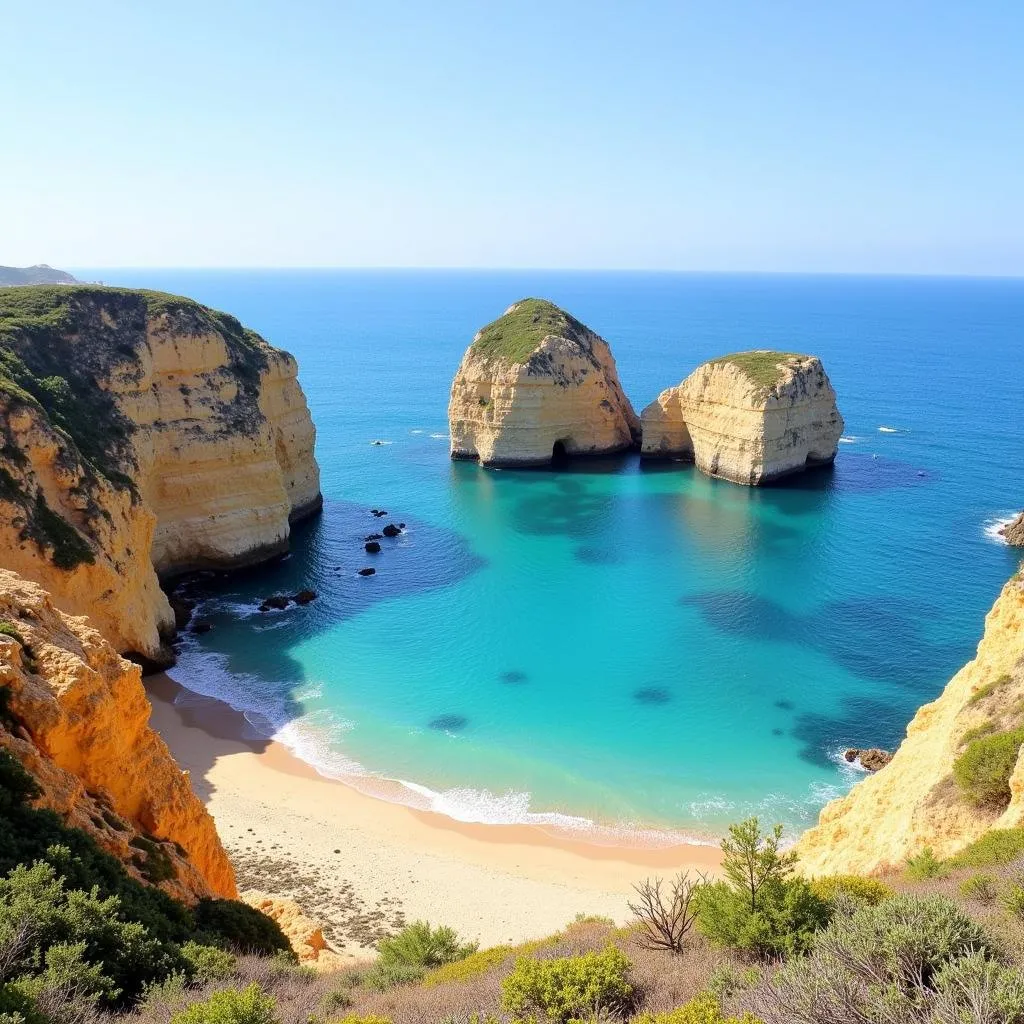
pixel 1013 533
pixel 534 385
pixel 305 934
pixel 85 737
pixel 142 433
pixel 750 418
pixel 913 802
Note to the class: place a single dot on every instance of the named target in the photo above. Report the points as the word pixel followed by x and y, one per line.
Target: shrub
pixel 995 847
pixel 384 976
pixel 983 770
pixel 208 963
pixel 856 888
pixel 924 865
pixel 469 967
pixel 1013 900
pixel 971 985
pixel 248 1005
pixel 983 691
pixel 240 926
pixel 725 981
pixel 979 887
pixel 665 918
pixel 752 859
pixel 880 964
pixel 419 946
pixel 366 1018
pixel 591 985
pixel 702 1009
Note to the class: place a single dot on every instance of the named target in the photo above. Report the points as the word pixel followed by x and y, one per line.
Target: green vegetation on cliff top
pixel 516 334
pixel 763 366
pixel 57 343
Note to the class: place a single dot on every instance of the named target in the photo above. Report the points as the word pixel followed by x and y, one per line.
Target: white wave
pixel 890 430
pixel 416 431
pixel 849 440
pixel 439 437
pixel 993 527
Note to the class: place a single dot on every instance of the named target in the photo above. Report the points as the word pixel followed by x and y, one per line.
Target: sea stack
pixel 750 417
pixel 536 385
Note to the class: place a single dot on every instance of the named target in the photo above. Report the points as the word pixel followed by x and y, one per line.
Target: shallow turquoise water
pixel 618 643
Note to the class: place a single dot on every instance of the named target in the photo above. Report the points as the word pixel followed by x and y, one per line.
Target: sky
pixel 844 136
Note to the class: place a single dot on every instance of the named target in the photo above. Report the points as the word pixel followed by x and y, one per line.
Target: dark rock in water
pixel 513 678
pixel 304 596
pixel 401 526
pixel 391 530
pixel 378 512
pixel 275 601
pixel 200 627
pixel 182 608
pixel 652 695
pixel 870 760
pixel 784 705
pixel 449 723
pixel 776 732
pixel 373 536
pixel 372 547
pixel 367 572
pixel 1013 533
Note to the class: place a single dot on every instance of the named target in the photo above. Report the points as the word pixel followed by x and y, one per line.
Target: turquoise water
pixel 629 645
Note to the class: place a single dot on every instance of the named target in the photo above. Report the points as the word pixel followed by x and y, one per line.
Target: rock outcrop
pixel 78 720
pixel 305 934
pixel 142 433
pixel 537 384
pixel 751 417
pixel 914 802
pixel 1013 532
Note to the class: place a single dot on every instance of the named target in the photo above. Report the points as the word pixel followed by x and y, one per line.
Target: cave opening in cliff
pixel 559 456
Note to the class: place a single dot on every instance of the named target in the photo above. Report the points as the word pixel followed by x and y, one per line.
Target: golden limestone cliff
pixel 915 801
pixel 751 417
pixel 534 385
pixel 142 433
pixel 77 718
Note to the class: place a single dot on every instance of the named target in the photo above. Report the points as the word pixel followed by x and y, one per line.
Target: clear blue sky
pixel 771 135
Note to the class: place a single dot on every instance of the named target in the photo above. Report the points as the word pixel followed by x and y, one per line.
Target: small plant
pixel 924 865
pixel 983 770
pixel 702 1009
pixel 247 1005
pixel 591 986
pixel 420 947
pixel 725 981
pixel 208 963
pixel 979 887
pixel 983 691
pixel 752 860
pixel 995 847
pixel 665 917
pixel 854 888
pixel 469 967
pixel 1013 900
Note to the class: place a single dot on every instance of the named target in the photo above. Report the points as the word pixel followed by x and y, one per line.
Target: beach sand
pixel 366 865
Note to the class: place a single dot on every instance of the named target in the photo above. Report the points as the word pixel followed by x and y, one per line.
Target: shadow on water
pixel 252 650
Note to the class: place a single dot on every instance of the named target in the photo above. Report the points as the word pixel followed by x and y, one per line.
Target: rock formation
pixel 79 723
pixel 537 384
pixel 305 934
pixel 871 760
pixel 914 802
pixel 1013 532
pixel 142 433
pixel 750 417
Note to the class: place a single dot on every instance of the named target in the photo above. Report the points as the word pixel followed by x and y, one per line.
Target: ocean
pixel 633 647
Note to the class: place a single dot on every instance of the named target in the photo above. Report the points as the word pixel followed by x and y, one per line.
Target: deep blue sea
pixel 639 647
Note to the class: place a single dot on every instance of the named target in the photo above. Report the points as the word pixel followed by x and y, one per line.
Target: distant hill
pixel 39 274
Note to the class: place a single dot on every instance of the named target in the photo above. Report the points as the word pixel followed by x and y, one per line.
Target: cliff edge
pixel 142 433
pixel 917 799
pixel 74 713
pixel 534 385
pixel 750 417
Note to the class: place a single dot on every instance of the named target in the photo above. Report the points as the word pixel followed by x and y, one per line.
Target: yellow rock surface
pixel 735 428
pixel 220 452
pixel 914 802
pixel 87 741
pixel 305 934
pixel 567 390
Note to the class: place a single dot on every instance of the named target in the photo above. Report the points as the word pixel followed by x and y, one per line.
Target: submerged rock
pixel 275 602
pixel 870 760
pixel 537 385
pixel 367 572
pixel 751 417
pixel 304 596
pixel 1013 533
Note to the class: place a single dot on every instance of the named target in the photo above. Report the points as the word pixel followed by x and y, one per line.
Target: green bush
pixel 589 986
pixel 248 1005
pixel 983 770
pixel 239 926
pixel 1013 900
pixel 995 847
pixel 969 983
pixel 924 865
pixel 979 887
pixel 702 1009
pixel 860 890
pixel 470 967
pixel 208 963
pixel 418 948
pixel 384 976
pixel 18 1007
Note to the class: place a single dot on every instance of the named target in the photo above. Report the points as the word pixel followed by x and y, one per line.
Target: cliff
pixel 751 417
pixel 536 384
pixel 142 433
pixel 915 801
pixel 1013 532
pixel 76 716
pixel 38 274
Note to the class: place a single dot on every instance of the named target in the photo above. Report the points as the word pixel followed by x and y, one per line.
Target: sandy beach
pixel 365 865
